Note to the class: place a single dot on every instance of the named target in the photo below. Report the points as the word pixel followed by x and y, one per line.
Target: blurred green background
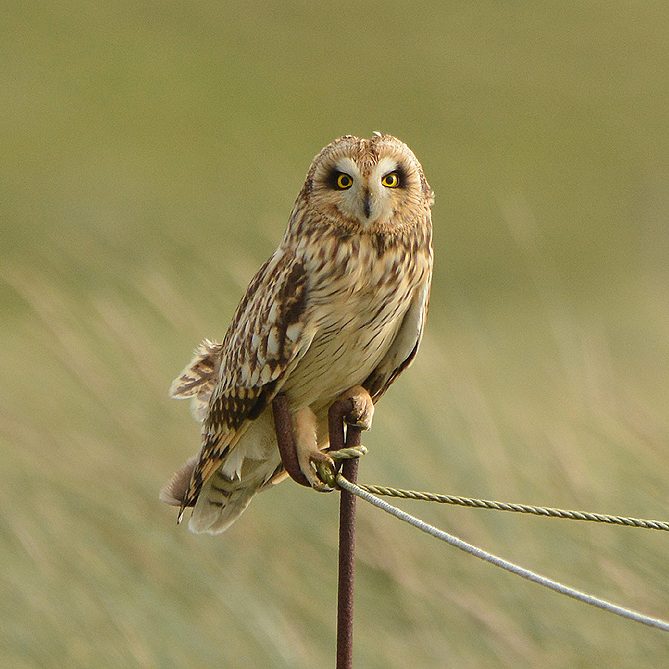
pixel 151 153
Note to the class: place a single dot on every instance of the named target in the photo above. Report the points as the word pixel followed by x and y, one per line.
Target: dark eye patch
pixel 332 178
pixel 402 175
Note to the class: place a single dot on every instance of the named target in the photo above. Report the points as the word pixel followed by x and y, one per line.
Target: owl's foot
pixel 363 407
pixel 309 456
pixel 317 460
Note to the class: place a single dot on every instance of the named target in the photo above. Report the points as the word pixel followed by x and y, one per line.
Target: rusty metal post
pixel 336 416
pixel 286 441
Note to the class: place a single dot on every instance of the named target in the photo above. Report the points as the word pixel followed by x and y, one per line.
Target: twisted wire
pixel 550 512
pixel 476 503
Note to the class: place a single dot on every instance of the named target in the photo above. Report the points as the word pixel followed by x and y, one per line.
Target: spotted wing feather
pixel 199 377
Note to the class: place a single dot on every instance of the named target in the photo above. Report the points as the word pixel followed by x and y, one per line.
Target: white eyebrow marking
pixel 347 165
pixel 384 166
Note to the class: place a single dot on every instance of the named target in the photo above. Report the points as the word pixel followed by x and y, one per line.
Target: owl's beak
pixel 367 204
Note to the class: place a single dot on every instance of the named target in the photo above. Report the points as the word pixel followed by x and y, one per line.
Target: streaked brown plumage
pixel 340 304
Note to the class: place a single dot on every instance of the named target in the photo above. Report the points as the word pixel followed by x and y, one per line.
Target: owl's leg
pixel 363 407
pixel 306 445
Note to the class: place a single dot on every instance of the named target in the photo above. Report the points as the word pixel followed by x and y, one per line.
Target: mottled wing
pixel 405 346
pixel 199 377
pixel 269 333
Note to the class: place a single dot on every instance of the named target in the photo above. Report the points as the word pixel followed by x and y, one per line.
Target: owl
pixel 337 311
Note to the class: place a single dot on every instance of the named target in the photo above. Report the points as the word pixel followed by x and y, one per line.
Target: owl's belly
pixel 348 346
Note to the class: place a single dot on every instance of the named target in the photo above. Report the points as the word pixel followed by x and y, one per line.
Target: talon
pixel 363 408
pixel 319 461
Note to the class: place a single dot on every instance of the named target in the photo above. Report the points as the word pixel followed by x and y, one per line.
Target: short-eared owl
pixel 338 309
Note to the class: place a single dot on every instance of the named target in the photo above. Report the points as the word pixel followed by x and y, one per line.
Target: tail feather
pixel 222 499
pixel 220 503
pixel 252 465
pixel 174 491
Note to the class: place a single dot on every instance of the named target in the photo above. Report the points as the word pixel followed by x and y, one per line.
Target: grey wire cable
pixel 501 562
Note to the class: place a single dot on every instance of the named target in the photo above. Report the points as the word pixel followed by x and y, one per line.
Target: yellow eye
pixel 391 180
pixel 344 181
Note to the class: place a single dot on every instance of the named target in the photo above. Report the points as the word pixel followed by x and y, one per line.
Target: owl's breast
pixel 359 300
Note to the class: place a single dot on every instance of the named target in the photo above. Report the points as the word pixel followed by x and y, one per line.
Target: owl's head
pixel 374 184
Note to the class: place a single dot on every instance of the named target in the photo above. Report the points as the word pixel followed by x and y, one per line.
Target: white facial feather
pixel 383 167
pixel 352 200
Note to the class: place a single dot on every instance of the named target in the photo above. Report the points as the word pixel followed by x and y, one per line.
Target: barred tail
pixel 221 500
pixel 220 503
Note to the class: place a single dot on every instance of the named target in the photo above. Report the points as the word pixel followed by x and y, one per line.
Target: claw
pixel 312 464
pixel 363 408
pixel 325 468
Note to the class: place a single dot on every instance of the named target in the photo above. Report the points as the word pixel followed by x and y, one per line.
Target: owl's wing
pixel 268 335
pixel 405 346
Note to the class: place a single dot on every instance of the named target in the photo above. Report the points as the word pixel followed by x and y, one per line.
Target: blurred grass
pixel 151 154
